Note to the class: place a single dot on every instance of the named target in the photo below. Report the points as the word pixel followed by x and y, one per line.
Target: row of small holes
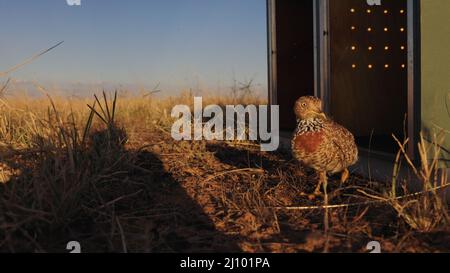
pixel 369 29
pixel 370 48
pixel 370 66
pixel 370 11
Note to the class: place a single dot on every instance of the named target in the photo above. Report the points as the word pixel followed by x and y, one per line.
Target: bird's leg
pixel 322 179
pixel 345 175
pixel 326 216
pixel 317 192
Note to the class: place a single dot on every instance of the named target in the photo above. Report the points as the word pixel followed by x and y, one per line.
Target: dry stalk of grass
pixel 30 60
pixel 3 88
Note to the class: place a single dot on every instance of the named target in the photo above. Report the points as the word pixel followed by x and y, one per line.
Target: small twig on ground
pixel 119 199
pixel 234 171
pixel 122 236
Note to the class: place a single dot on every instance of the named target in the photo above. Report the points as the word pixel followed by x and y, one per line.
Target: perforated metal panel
pixel 368 69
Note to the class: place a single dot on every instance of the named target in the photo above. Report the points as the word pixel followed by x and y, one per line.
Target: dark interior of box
pixel 295 56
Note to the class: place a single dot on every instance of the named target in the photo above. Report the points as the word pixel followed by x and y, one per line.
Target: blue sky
pixel 179 43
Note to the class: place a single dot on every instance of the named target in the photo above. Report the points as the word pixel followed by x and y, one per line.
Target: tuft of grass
pixel 65 167
pixel 425 209
pixel 428 209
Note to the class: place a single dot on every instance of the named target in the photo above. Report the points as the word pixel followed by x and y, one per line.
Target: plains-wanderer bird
pixel 320 143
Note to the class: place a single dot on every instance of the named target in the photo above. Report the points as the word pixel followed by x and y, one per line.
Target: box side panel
pixel 435 71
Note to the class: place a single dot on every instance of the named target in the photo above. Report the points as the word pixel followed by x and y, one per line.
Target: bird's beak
pixel 323 115
pixel 319 114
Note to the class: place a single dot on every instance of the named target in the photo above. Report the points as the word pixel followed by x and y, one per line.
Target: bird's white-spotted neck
pixel 309 125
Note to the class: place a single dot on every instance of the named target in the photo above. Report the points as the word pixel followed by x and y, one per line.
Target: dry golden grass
pixel 113 179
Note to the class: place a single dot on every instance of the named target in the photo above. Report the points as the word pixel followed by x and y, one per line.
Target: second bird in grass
pixel 320 143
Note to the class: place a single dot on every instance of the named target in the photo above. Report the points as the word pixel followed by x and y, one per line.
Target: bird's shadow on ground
pixel 249 158
pixel 268 161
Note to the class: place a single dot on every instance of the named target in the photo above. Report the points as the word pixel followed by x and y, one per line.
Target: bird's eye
pixel 303 105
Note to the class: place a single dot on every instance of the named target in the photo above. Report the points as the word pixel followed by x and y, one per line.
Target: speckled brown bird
pixel 321 143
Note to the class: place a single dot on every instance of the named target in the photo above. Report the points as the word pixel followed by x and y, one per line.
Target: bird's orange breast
pixel 308 142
